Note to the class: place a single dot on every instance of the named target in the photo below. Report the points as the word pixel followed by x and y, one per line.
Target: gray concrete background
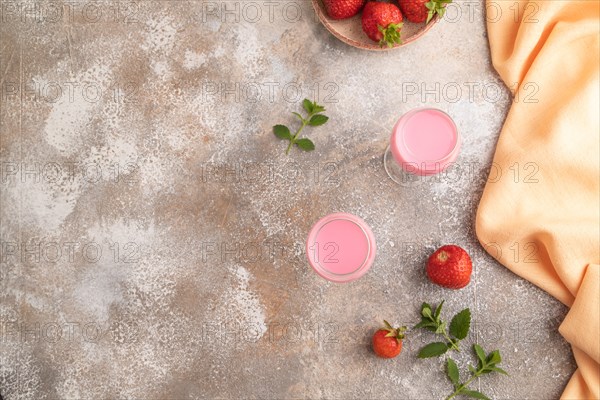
pixel 131 216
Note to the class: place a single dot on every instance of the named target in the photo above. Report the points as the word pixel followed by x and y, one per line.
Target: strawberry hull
pixel 382 22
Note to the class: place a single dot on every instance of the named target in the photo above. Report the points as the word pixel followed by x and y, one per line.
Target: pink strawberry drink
pixel 340 247
pixel 425 141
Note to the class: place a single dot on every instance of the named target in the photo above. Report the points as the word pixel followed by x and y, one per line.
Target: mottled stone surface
pixel 152 228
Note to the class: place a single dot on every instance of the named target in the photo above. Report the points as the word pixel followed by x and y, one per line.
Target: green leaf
pixel 480 353
pixel 390 34
pixel 387 324
pixel 452 372
pixel 474 394
pixel 426 324
pixel 308 105
pixel 498 369
pixel 430 14
pixel 317 108
pixel 317 120
pixel 441 328
pixel 426 310
pixel 459 326
pixel 438 311
pixel 471 369
pixel 305 144
pixel 494 357
pixel 282 132
pixel 300 117
pixel 433 350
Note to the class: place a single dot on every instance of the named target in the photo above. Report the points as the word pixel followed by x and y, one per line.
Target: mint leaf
pixel 313 118
pixel 433 350
pixel 429 325
pixel 431 320
pixel 459 326
pixel 305 144
pixel 317 108
pixel 438 311
pixel 282 132
pixel 480 353
pixel 452 372
pixel 494 357
pixel 308 106
pixel 426 310
pixel 498 369
pixel 441 328
pixel 317 120
pixel 458 330
pixel 474 394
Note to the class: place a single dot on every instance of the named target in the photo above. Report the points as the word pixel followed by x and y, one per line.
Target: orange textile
pixel 541 212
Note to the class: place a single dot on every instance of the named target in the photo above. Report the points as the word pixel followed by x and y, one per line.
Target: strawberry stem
pixel 436 7
pixel 390 34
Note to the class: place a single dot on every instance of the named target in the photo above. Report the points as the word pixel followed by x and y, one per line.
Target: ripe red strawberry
pixel 387 342
pixel 382 23
pixel 422 10
pixel 341 9
pixel 450 266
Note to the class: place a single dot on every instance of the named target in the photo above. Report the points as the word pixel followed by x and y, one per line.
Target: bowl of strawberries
pixel 379 25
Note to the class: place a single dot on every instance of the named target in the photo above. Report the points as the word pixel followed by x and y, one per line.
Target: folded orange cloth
pixel 541 211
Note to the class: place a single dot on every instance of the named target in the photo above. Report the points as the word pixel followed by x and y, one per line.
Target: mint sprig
pixel 436 7
pixel 431 321
pixel 313 118
pixel 486 364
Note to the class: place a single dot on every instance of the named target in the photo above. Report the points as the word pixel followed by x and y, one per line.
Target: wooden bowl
pixel 350 30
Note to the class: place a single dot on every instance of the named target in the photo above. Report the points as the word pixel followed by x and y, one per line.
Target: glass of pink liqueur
pixel 424 141
pixel 340 247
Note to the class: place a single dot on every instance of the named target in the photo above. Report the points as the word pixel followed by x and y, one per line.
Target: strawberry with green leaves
pixel 382 22
pixel 387 341
pixel 422 10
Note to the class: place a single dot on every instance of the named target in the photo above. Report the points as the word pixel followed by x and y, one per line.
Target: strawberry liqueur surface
pixel 425 141
pixel 340 247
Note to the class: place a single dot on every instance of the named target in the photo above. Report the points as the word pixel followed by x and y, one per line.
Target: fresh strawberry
pixel 422 10
pixel 387 342
pixel 382 23
pixel 450 266
pixel 342 9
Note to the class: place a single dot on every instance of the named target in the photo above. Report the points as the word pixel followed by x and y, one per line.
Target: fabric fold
pixel 540 214
pixel 584 313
